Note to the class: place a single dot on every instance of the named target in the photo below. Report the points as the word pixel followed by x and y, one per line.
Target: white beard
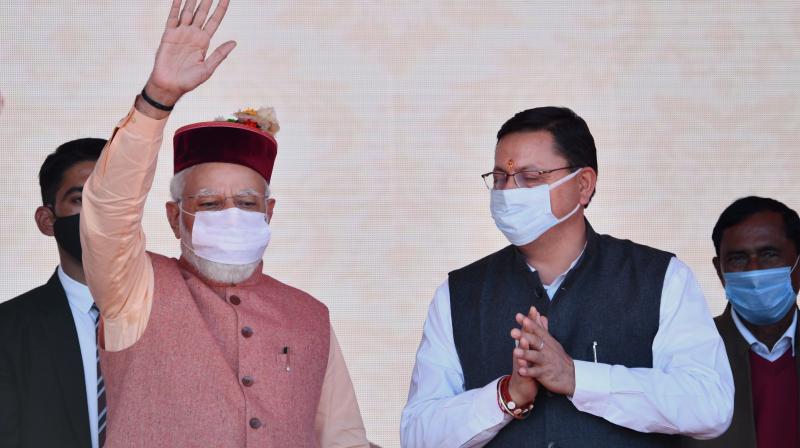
pixel 217 272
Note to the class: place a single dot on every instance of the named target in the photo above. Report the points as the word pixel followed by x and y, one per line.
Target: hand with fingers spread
pixel 547 361
pixel 181 63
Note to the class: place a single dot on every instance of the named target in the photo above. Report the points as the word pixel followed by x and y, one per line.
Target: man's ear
pixel 270 207
pixel 715 261
pixel 174 216
pixel 44 217
pixel 587 180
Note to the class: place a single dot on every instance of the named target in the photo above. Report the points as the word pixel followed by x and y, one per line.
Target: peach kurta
pixel 142 322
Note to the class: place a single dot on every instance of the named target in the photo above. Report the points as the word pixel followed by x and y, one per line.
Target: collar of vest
pixel 521 263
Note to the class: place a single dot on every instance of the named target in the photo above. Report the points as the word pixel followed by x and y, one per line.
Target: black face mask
pixel 67 232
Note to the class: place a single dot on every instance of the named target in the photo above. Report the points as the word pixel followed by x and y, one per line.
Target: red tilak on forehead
pixel 510 164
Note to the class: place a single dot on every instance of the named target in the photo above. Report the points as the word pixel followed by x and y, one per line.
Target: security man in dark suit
pixel 51 389
pixel 757 243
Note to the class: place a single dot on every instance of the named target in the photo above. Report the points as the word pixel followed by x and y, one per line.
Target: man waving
pixel 205 350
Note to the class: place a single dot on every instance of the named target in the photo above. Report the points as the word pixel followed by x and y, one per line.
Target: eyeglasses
pixel 498 180
pixel 215 202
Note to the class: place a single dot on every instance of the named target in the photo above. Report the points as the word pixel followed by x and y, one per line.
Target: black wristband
pixel 155 103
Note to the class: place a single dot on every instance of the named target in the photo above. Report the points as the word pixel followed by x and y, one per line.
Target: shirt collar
pixel 77 293
pixel 558 280
pixel 753 342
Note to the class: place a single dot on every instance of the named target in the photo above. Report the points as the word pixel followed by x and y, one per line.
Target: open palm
pixel 181 63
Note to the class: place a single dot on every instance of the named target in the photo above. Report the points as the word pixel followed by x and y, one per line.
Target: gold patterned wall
pixel 388 111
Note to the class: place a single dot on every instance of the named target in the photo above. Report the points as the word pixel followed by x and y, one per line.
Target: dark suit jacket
pixel 742 432
pixel 42 388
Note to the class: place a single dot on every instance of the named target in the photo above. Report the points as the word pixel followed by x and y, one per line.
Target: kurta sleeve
pixel 338 423
pixel 118 270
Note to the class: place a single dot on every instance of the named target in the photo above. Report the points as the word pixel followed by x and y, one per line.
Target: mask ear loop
pixel 790 272
pixel 569 215
pixel 183 210
pixel 558 183
pixel 564 179
pixel 181 226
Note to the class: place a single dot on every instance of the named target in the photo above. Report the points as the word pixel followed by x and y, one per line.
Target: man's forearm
pixel 118 271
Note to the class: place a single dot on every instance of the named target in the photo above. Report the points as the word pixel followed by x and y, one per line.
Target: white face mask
pixel 231 236
pixel 525 214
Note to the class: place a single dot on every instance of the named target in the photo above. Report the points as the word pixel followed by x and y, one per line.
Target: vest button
pixel 235 300
pixel 247 332
pixel 255 423
pixel 248 381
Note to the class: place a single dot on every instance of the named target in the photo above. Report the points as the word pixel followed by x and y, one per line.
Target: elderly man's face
pixel 758 242
pixel 218 186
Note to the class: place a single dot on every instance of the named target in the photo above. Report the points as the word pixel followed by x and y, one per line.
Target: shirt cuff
pixel 592 387
pixel 486 412
pixel 142 123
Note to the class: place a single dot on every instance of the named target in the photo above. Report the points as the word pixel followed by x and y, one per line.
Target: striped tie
pixel 101 386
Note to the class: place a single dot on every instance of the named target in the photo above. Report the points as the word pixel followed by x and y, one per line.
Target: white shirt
pixel 784 343
pixel 80 303
pixel 688 391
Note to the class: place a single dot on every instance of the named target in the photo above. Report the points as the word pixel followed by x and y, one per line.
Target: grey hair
pixel 178 183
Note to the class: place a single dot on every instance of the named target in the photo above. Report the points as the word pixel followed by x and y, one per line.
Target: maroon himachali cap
pixel 246 139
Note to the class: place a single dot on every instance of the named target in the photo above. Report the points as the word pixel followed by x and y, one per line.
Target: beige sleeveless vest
pixel 243 370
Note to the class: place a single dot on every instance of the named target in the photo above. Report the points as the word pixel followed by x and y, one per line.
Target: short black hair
pixel 743 208
pixel 570 132
pixel 51 174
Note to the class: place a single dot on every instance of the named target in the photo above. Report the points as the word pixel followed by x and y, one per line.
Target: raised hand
pixel 548 362
pixel 181 62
